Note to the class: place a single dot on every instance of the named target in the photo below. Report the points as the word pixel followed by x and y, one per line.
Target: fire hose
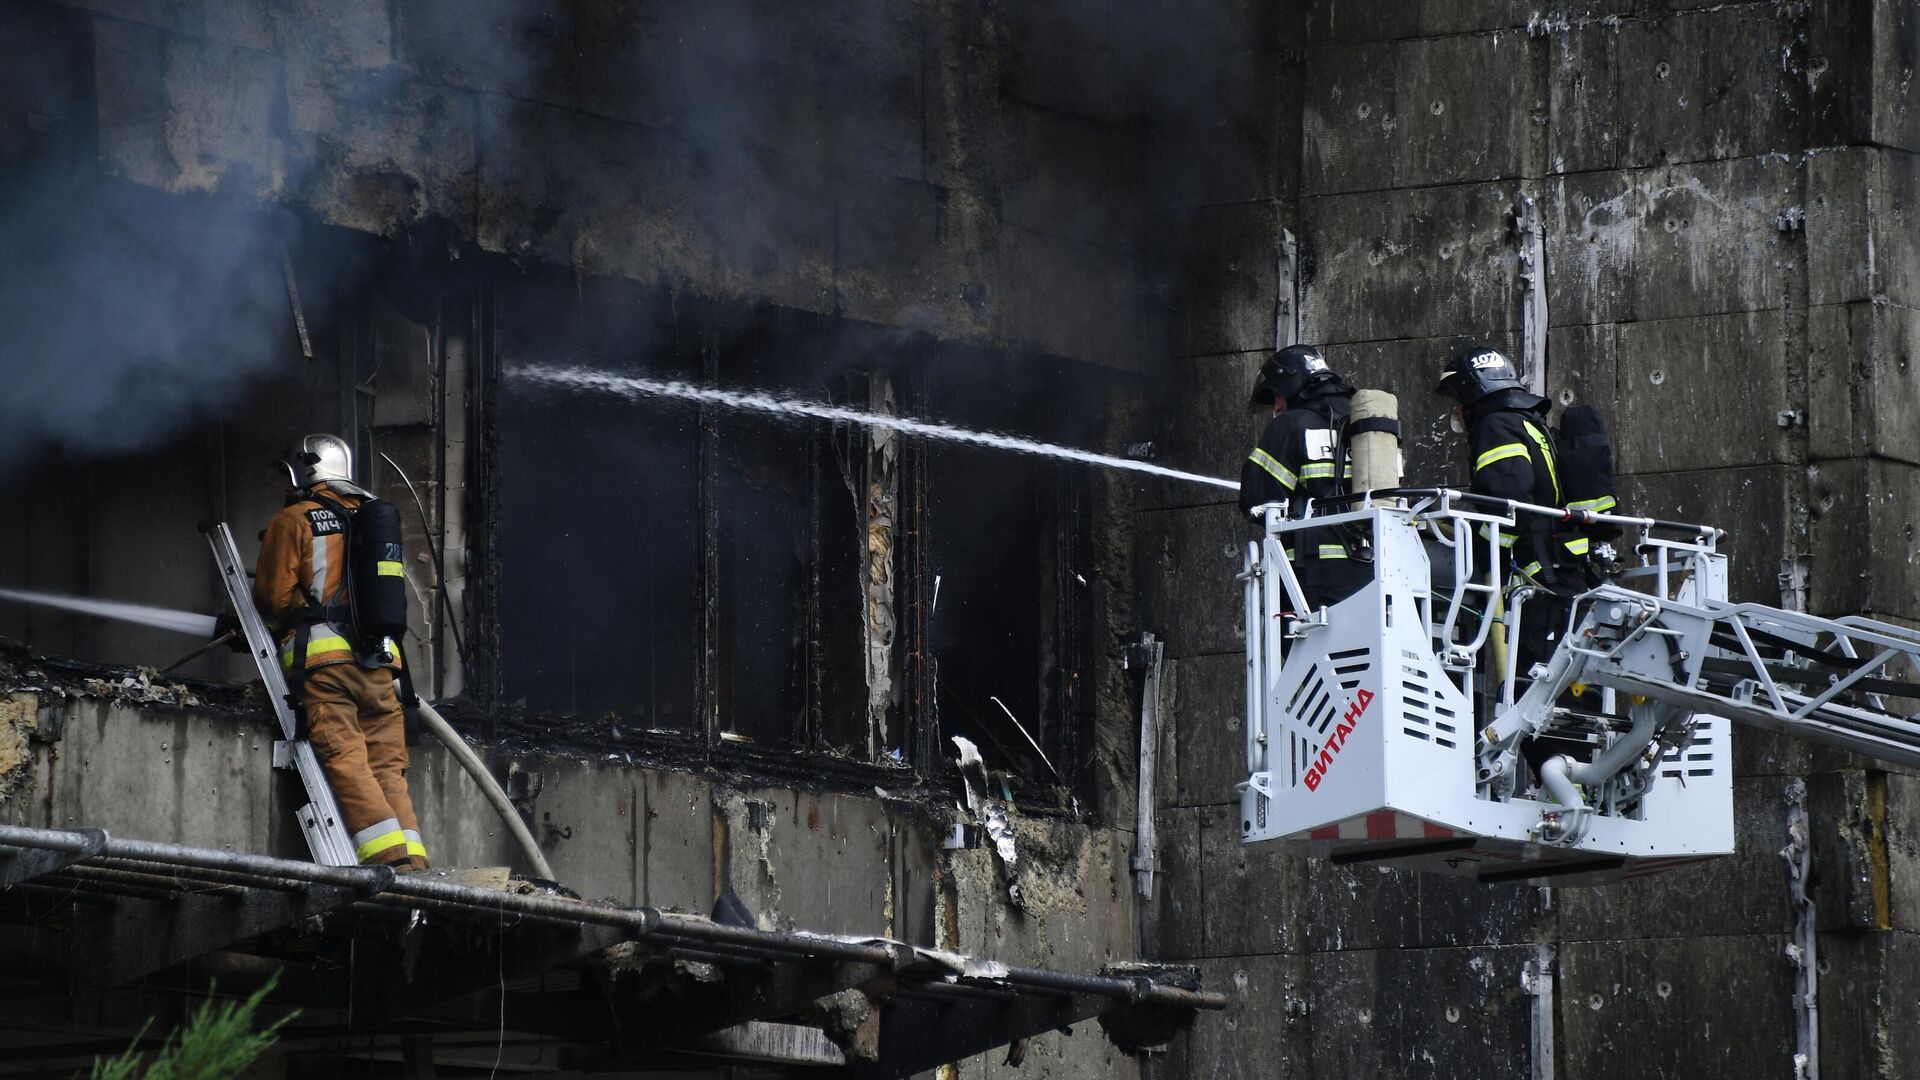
pixel 470 761
pixel 195 623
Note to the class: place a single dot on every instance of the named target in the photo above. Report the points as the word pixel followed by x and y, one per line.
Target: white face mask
pixel 1455 423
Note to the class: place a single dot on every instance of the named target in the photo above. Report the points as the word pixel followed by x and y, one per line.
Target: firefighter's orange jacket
pixel 303 558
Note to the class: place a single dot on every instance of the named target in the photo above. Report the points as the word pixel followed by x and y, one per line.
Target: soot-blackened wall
pixel 1719 189
pixel 720 575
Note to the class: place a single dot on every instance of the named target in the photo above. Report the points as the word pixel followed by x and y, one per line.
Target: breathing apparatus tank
pixel 1373 438
pixel 377 575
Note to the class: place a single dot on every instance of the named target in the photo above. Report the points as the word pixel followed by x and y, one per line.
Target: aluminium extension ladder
pixel 320 820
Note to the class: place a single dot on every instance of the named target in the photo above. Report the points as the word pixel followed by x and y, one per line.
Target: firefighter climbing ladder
pixel 320 818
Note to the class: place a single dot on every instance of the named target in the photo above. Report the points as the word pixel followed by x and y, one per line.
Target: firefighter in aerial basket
pixel 1300 457
pixel 1512 455
pixel 330 585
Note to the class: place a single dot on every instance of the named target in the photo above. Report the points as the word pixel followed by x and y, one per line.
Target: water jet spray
pixel 637 387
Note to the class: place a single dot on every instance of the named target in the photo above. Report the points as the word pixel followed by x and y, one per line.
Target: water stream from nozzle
pixel 180 622
pixel 586 379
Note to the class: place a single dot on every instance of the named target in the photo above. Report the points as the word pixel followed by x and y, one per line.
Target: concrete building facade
pixel 708 651
pixel 1718 194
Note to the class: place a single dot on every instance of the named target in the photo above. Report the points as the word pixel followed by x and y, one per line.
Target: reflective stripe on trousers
pixel 380 838
pixel 322 639
pixel 1506 538
pixel 327 638
pixel 358 730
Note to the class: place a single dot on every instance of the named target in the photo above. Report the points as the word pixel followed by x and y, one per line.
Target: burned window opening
pixel 672 580
pixel 839 593
pixel 593 569
pixel 991 538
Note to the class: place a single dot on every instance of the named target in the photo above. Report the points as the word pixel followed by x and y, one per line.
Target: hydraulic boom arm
pixel 1831 680
pixel 1419 720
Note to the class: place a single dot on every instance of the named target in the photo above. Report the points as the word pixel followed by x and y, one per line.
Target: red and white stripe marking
pixel 1383 825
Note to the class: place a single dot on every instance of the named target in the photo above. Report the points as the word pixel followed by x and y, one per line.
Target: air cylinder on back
pixel 378 575
pixel 1373 439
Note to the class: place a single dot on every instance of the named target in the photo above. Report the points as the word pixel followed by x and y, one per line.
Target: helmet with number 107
pixel 1475 373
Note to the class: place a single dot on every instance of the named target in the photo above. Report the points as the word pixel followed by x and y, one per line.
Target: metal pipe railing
pixel 1468 498
pixel 381 885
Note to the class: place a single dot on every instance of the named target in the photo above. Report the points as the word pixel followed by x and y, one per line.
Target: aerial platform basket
pixel 1369 736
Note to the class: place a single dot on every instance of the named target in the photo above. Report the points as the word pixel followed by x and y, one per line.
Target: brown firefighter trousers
pixel 358 730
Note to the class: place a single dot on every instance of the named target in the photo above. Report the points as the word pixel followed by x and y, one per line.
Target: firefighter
pixel 345 683
pixel 1512 456
pixel 1299 458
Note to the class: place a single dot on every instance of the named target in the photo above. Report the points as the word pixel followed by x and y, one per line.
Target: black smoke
pixel 124 318
pixel 156 187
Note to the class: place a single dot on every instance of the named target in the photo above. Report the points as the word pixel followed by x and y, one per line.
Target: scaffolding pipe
pixel 1146 857
pixel 642 923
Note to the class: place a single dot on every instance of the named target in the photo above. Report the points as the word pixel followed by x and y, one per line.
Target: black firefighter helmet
pixel 1474 374
pixel 1289 371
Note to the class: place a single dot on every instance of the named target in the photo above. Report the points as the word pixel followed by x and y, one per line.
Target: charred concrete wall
pixel 877 164
pixel 1094 190
pixel 150 760
pixel 396 204
pixel 1723 190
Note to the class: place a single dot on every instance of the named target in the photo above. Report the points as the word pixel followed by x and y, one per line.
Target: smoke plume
pixel 123 318
pixel 142 289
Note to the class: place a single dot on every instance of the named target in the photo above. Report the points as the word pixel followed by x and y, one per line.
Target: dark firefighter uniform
pixel 352 710
pixel 1296 461
pixel 1513 457
pixel 1584 455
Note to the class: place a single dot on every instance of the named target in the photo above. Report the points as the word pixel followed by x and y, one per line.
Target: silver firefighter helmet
pixel 322 459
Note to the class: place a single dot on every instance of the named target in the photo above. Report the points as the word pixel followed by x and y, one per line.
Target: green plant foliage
pixel 218 1042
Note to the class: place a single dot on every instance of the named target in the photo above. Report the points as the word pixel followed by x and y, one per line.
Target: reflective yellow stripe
pixel 1595 506
pixel 379 844
pixel 1580 545
pixel 1530 569
pixel 1500 453
pixel 1506 538
pixel 416 849
pixel 378 837
pixel 1317 470
pixel 384 825
pixel 1333 551
pixel 1546 454
pixel 386 568
pixel 1273 467
pixel 1289 554
pixel 315 646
